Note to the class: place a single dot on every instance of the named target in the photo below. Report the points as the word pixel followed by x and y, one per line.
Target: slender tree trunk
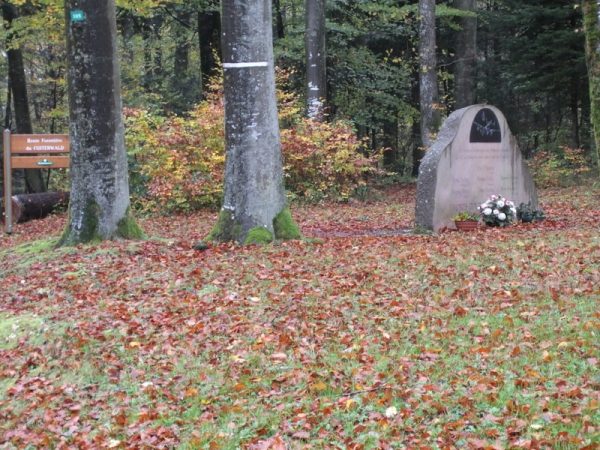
pixel 466 54
pixel 279 25
pixel 18 84
pixel 208 42
pixel 182 48
pixel 316 76
pixel 254 205
pixel 148 78
pixel 158 70
pixel 181 80
pixel 99 203
pixel 428 87
pixel 591 23
pixel 574 106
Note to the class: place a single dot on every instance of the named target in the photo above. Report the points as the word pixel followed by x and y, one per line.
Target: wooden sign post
pixel 31 151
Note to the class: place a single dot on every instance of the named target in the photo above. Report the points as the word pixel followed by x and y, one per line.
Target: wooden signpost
pixel 31 151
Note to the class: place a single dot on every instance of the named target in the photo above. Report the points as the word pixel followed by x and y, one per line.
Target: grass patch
pixel 16 328
pixel 457 340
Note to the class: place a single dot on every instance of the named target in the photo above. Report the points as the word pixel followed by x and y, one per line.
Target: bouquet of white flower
pixel 497 211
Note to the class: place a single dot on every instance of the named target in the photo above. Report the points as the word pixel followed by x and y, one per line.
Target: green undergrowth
pixel 21 257
pixel 15 328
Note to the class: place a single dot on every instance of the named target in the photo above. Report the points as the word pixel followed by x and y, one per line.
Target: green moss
pixel 258 235
pixel 127 228
pixel 35 252
pixel 89 229
pixel 35 247
pixel 226 228
pixel 284 226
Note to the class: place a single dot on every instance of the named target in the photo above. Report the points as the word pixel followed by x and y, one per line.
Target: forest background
pixel 529 62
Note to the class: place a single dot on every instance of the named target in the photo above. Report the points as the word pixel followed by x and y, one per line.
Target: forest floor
pixel 360 336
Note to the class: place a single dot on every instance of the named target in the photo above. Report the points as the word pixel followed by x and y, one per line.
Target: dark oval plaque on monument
pixel 485 127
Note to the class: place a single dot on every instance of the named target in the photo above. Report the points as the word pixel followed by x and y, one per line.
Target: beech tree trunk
pixel 428 87
pixel 591 23
pixel 466 56
pixel 254 195
pixel 99 204
pixel 18 85
pixel 316 76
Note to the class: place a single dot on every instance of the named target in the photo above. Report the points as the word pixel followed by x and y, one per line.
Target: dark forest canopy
pixel 530 62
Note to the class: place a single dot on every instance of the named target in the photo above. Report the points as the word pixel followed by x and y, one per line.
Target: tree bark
pixel 428 88
pixel 591 23
pixel 254 195
pixel 316 75
pixel 466 56
pixel 18 85
pixel 99 204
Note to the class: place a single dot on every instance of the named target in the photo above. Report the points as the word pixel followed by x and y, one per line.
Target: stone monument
pixel 474 156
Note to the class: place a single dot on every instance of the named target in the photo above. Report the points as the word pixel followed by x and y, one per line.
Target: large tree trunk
pixel 316 76
pixel 466 56
pixel 254 203
pixel 18 85
pixel 428 88
pixel 591 22
pixel 99 204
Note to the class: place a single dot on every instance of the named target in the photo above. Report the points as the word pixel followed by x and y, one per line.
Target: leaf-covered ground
pixel 361 337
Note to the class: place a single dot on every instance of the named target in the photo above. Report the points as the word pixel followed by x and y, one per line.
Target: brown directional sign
pixel 30 151
pixel 39 143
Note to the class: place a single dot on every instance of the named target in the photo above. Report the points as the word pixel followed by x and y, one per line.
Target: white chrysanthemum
pixel 494 197
pixel 391 412
pixel 502 216
pixel 496 212
pixel 500 204
pixel 487 211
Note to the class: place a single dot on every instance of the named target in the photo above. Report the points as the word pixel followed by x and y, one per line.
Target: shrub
pixel 177 163
pixel 563 167
pixel 323 160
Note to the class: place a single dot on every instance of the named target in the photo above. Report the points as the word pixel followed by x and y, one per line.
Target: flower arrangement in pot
pixel 496 211
pixel 466 221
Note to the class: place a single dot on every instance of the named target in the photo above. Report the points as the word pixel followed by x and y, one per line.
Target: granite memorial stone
pixel 474 156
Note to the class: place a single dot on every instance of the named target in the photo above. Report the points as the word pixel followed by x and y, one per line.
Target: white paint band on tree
pixel 243 65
